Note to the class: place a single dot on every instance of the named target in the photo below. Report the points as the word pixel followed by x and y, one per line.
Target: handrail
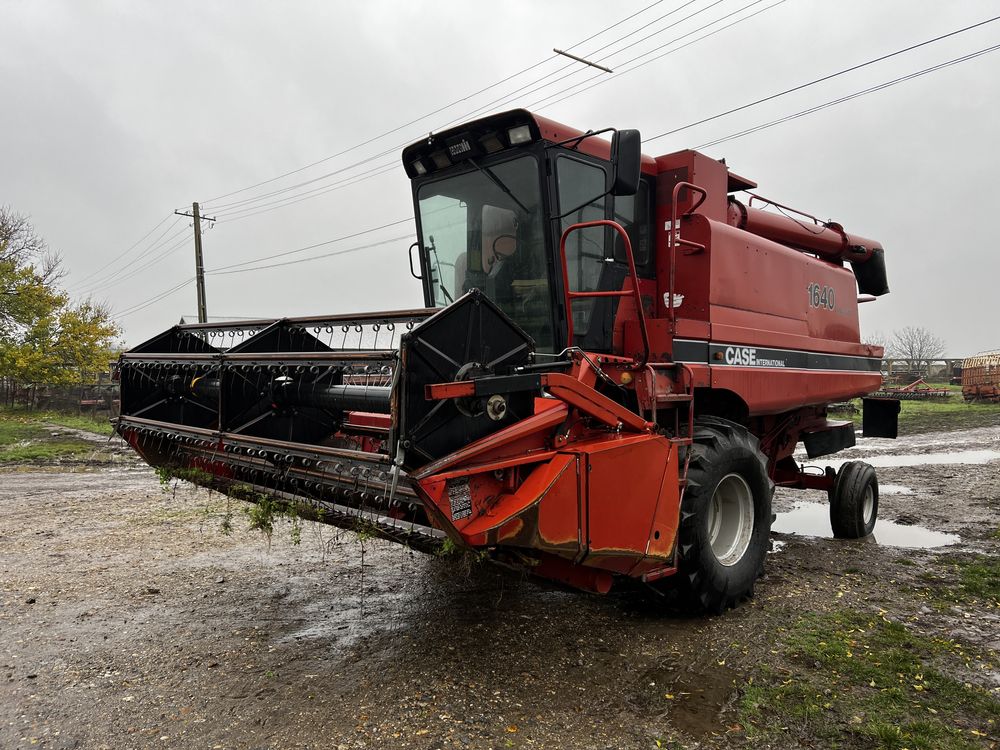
pixel 782 207
pixel 570 295
pixel 674 239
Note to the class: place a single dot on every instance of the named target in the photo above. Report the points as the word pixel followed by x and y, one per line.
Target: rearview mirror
pixel 626 154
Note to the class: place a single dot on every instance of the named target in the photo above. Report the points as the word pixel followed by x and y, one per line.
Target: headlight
pixel 520 134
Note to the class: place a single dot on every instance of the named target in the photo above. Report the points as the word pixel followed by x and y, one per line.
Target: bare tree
pixel 878 338
pixel 20 244
pixel 21 247
pixel 29 272
pixel 918 345
pixel 18 240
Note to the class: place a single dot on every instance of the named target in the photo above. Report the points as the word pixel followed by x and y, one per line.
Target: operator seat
pixel 499 243
pixel 499 238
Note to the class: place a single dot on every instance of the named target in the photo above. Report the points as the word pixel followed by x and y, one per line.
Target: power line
pixel 288 200
pixel 162 256
pixel 526 88
pixel 849 97
pixel 117 278
pixel 142 305
pixel 544 101
pixel 429 114
pixel 235 268
pixel 297 185
pixel 221 272
pixel 614 25
pixel 313 246
pixel 120 269
pixel 386 167
pixel 823 79
pixel 505 98
pixel 796 115
pixel 241 267
pixel 227 317
pixel 124 252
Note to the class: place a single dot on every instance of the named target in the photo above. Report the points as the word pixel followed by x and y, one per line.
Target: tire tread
pixel 716 441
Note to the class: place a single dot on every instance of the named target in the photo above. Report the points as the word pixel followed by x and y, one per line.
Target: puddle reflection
pixel 924 459
pixel 813 519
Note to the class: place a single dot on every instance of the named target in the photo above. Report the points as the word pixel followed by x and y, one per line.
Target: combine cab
pixel 615 366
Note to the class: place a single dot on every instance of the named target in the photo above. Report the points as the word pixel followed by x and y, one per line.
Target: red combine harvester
pixel 615 366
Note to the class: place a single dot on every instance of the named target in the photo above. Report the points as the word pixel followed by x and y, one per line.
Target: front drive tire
pixel 854 501
pixel 725 522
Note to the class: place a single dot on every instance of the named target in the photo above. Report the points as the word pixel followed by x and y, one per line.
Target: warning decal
pixel 460 497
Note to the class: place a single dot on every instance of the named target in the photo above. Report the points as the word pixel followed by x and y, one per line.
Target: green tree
pixel 28 274
pixel 44 336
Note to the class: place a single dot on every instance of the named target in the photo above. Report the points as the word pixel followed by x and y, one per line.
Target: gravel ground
pixel 129 620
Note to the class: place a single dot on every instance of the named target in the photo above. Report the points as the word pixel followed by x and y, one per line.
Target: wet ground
pixel 129 620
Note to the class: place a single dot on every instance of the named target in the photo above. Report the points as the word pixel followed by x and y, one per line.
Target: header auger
pixel 615 365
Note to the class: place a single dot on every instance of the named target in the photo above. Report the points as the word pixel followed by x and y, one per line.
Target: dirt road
pixel 129 620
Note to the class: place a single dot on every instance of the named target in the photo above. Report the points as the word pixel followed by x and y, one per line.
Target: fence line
pixel 96 393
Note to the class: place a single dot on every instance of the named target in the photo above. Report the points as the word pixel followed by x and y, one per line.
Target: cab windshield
pixel 484 229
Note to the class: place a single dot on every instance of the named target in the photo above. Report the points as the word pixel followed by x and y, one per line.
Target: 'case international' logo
pixel 746 356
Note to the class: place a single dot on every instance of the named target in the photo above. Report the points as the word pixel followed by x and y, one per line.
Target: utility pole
pixel 199 264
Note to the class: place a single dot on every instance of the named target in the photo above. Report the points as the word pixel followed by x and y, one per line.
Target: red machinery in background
pixel 615 365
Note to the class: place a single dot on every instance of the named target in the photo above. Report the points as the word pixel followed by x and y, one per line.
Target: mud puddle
pixel 699 701
pixel 813 519
pixel 696 699
pixel 976 446
pixel 925 459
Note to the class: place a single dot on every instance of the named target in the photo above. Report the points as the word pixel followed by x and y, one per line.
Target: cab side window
pixel 579 181
pixel 632 212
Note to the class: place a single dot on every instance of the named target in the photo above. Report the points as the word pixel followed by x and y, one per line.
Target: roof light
pixel 419 168
pixel 441 159
pixel 520 134
pixel 491 143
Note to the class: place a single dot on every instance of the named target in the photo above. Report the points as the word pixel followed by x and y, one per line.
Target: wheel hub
pixel 868 508
pixel 730 519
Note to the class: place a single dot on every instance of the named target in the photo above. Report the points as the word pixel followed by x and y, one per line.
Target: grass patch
pixel 968 580
pixel 45 451
pixel 951 413
pixel 85 422
pixel 859 680
pixel 23 440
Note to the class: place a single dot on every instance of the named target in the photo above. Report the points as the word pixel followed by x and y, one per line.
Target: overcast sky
pixel 114 114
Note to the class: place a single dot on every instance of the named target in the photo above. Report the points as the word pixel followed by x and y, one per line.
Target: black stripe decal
pixel 741 355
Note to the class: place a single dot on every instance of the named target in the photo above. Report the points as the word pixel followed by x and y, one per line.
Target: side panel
pixel 754 291
pixel 632 490
pixel 780 390
pixel 759 285
pixel 610 503
pixel 776 309
pixel 543 512
pixel 778 380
